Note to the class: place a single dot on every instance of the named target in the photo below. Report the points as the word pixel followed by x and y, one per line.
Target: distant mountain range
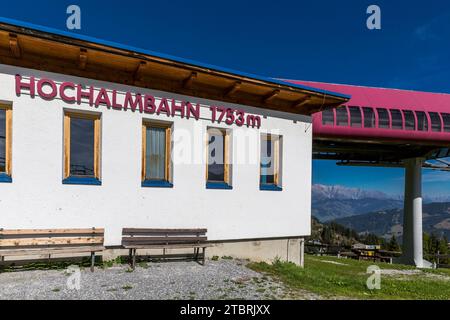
pixel 334 202
pixel 385 223
pixel 375 211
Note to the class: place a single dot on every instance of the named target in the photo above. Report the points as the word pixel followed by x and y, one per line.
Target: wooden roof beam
pixel 82 59
pixel 137 75
pixel 14 45
pixel 271 96
pixel 233 89
pixel 187 83
pixel 300 103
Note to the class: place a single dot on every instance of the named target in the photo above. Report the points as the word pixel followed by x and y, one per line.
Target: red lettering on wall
pixel 133 104
pixel 47 83
pixel 23 85
pixel 163 107
pixel 176 108
pixel 149 104
pixel 115 104
pixel 62 91
pixel 85 94
pixel 103 98
pixel 195 112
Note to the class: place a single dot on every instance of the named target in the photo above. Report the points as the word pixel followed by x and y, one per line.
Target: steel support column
pixel 412 216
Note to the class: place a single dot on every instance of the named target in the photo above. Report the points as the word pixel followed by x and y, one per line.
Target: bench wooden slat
pixel 132 231
pixel 20 232
pixel 49 241
pixel 32 252
pixel 170 246
pixel 163 239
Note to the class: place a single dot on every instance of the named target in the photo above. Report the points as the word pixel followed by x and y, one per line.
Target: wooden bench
pixel 134 239
pixel 35 242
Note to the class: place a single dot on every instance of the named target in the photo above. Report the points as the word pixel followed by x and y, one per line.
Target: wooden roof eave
pixel 131 68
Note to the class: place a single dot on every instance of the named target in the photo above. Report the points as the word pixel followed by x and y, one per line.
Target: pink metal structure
pixel 381 126
pixel 388 115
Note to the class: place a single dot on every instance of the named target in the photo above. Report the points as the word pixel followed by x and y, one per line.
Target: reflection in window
pixel 341 116
pixel 82 147
pixel 397 121
pixel 383 118
pixel 369 117
pixel 355 117
pixel 422 121
pixel 446 119
pixel 270 160
pixel 436 125
pixel 2 140
pixel 410 122
pixel 216 155
pixel 328 117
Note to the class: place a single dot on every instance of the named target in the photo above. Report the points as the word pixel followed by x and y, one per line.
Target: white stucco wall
pixel 37 198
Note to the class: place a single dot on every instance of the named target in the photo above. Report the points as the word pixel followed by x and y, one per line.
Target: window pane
pixel 216 156
pixel 155 154
pixel 355 117
pixel 436 125
pixel 409 120
pixel 446 118
pixel 397 121
pixel 341 116
pixel 422 121
pixel 369 118
pixel 2 140
pixel 267 161
pixel 383 118
pixel 81 147
pixel 328 117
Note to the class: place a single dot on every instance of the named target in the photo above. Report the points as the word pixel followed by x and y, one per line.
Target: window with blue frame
pixel 81 148
pixel 270 162
pixel 156 157
pixel 5 143
pixel 218 171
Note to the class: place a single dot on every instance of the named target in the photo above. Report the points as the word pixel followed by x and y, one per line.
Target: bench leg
pixel 203 254
pixel 130 256
pixel 92 261
pixel 133 263
pixel 196 251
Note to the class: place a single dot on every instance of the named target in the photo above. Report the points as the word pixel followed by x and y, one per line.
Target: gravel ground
pixel 223 279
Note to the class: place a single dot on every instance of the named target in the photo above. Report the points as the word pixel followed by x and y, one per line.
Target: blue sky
pixel 310 40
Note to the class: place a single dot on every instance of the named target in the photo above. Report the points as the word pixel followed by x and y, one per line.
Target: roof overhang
pixel 36 47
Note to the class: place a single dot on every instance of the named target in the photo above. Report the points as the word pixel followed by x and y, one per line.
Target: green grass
pixel 332 280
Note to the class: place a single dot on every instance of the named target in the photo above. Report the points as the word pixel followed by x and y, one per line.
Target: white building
pixel 101 135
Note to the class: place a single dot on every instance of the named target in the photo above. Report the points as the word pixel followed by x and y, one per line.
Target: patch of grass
pixel 127 287
pixel 227 257
pixel 349 280
pixel 56 290
pixel 129 270
pixel 215 258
